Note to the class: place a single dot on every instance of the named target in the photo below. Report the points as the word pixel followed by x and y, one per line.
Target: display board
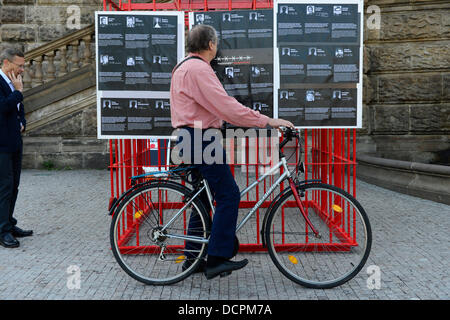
pixel 136 53
pixel 244 62
pixel 318 63
pixel 301 61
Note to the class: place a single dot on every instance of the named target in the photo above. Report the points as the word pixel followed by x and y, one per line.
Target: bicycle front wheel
pixel 148 233
pixel 328 259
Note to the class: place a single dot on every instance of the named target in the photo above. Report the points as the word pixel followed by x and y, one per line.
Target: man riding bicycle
pixel 199 102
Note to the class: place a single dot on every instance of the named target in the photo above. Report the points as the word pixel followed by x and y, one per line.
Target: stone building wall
pixel 407 82
pixel 28 24
pixel 67 138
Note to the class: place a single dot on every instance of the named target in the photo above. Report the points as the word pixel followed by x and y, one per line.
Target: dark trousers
pixel 227 196
pixel 10 168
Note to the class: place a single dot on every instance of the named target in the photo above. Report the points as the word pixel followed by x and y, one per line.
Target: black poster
pixel 244 62
pixel 318 106
pixel 318 23
pixel 136 52
pixel 135 116
pixel 319 64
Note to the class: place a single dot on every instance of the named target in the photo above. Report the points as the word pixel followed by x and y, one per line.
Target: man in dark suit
pixel 12 124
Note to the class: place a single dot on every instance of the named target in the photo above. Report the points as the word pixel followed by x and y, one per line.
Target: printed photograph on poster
pixel 259 103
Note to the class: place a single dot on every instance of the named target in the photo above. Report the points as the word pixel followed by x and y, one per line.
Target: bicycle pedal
pixel 225 274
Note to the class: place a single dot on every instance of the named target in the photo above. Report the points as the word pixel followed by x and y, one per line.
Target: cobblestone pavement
pixel 67 211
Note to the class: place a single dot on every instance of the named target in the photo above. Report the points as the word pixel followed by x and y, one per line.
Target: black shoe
pixel 8 241
pixel 19 233
pixel 224 269
pixel 200 267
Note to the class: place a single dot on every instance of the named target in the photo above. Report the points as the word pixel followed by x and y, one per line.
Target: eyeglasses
pixel 21 66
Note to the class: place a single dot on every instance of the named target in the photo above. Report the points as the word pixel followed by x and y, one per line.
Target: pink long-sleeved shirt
pixel 196 94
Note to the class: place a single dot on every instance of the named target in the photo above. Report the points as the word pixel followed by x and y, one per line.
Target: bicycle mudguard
pixel 116 201
pixel 298 184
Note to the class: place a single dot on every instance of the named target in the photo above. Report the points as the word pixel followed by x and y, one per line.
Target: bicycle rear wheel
pixel 344 230
pixel 144 248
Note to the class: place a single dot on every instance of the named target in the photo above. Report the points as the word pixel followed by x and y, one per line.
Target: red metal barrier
pixel 329 154
pixel 188 5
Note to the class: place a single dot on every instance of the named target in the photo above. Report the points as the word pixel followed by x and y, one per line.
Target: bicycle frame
pixel 272 170
pixel 285 175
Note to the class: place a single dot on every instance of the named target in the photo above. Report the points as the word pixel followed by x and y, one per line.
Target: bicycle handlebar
pixel 289 134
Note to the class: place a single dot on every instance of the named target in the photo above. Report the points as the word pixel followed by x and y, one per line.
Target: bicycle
pixel 317 235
